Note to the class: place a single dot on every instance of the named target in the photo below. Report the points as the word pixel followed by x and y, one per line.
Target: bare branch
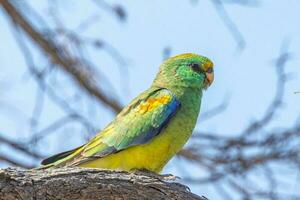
pixel 80 71
pixel 88 184
pixel 116 9
pixel 19 147
pixel 14 162
pixel 231 26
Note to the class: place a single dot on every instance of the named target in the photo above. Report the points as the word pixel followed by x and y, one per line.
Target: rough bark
pixel 88 184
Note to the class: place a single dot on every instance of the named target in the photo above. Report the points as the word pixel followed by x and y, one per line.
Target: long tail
pixel 57 159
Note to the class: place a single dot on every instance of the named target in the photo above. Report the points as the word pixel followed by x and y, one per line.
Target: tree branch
pixel 80 71
pixel 88 184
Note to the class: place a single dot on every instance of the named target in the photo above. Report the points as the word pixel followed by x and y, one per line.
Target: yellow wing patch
pixel 153 103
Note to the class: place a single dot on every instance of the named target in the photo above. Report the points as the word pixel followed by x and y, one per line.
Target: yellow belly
pixel 151 156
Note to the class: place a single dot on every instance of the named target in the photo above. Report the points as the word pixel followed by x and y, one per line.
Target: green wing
pixel 137 124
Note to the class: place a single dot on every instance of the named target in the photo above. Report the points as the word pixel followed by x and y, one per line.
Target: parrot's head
pixel 186 70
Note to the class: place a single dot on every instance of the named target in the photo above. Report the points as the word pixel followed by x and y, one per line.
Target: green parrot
pixel 148 132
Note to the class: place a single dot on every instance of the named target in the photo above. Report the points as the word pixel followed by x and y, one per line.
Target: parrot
pixel 148 132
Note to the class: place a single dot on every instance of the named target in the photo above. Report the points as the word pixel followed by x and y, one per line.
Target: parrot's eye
pixel 196 68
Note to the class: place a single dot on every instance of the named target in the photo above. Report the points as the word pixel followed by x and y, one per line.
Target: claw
pixel 170 177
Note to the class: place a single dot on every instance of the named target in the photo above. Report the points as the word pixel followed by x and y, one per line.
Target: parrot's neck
pixel 183 94
pixel 190 100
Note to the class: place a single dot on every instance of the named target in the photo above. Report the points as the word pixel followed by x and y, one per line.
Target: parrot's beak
pixel 209 77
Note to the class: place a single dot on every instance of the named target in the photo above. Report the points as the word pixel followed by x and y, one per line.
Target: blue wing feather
pixel 170 111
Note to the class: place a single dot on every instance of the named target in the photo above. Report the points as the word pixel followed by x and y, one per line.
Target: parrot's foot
pixel 163 177
pixel 145 172
pixel 169 177
pixel 181 186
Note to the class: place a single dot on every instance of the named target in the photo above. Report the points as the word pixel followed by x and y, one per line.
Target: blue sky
pixel 247 78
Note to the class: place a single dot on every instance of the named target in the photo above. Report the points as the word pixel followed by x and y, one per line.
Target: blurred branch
pixel 37 136
pixel 214 111
pixel 281 61
pixel 78 69
pixel 13 162
pixel 51 93
pixel 20 147
pixel 116 9
pixel 231 26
